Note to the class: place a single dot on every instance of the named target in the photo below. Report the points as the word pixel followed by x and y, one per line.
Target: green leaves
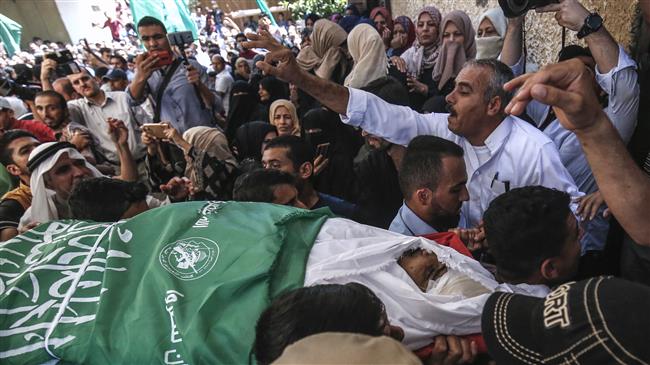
pixel 300 8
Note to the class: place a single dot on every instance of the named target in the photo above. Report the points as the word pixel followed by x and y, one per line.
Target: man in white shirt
pixel 614 74
pixel 223 82
pixel 501 151
pixel 94 110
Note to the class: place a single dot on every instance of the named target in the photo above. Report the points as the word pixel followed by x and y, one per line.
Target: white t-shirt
pixel 223 85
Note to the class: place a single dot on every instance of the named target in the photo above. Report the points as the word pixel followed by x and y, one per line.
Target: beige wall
pixel 39 18
pixel 543 33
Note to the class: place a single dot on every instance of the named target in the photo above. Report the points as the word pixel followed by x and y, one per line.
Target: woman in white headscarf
pixel 491 33
pixel 367 50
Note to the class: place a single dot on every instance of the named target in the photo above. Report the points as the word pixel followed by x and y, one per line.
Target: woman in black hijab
pixel 251 138
pixel 243 107
pixel 322 127
pixel 270 90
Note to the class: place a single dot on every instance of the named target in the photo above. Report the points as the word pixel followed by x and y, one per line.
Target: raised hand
pixel 566 86
pixel 287 68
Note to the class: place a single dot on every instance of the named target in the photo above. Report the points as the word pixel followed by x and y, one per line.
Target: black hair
pixel 122 59
pixel 525 226
pixel 422 163
pixel 6 139
pixel 103 199
pixel 390 90
pixel 241 35
pixel 350 308
pixel 298 151
pixel 258 185
pixel 148 21
pixel 104 50
pixel 51 93
pixel 101 72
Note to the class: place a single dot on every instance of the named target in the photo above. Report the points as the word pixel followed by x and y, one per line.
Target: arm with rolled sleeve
pixel 397 124
pixel 621 84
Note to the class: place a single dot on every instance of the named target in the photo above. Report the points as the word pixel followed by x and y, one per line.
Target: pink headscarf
pixel 452 55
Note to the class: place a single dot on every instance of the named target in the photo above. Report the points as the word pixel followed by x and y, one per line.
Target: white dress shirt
pixel 621 84
pixel 93 116
pixel 520 154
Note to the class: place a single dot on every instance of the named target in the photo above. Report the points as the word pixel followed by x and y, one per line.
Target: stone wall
pixel 544 35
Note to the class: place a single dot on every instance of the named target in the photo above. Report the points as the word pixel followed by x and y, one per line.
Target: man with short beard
pixel 52 109
pixel 97 109
pixel 432 178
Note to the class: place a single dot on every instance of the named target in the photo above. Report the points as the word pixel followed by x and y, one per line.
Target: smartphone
pixel 322 149
pixel 164 58
pixel 155 129
pixel 180 39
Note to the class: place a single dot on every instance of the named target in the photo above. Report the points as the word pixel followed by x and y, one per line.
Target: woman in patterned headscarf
pixel 457 45
pixel 419 60
pixel 403 35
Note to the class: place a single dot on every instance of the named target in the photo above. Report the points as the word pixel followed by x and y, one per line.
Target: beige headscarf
pixel 452 55
pixel 211 141
pixel 367 50
pixel 346 348
pixel 291 108
pixel 325 52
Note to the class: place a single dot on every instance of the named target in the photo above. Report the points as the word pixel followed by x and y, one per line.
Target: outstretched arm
pixel 397 124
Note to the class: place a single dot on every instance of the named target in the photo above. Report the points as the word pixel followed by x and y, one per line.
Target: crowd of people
pixel 425 126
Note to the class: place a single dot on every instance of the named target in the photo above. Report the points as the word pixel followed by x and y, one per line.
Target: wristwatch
pixel 593 22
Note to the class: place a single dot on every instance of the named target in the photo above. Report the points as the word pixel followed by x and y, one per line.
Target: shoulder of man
pixel 10 212
pixel 526 133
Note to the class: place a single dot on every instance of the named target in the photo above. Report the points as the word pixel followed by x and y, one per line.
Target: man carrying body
pixel 179 103
pixel 432 178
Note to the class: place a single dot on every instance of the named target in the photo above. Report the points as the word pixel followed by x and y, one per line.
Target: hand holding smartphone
pixel 155 129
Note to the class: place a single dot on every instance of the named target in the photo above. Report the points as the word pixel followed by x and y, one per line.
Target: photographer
pixel 614 79
pixel 172 87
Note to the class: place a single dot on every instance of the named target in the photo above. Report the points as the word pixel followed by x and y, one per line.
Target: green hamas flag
pixel 181 284
pixel 173 13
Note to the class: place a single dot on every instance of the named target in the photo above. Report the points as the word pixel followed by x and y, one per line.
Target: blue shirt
pixel 338 206
pixel 409 224
pixel 180 102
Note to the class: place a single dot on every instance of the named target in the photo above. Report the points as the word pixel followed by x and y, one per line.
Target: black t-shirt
pixel 10 213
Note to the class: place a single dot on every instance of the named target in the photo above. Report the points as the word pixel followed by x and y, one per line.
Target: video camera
pixel 64 60
pixel 515 8
pixel 20 86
